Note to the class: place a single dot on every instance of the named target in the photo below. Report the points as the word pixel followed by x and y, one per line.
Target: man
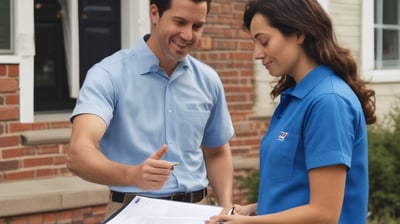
pixel 152 120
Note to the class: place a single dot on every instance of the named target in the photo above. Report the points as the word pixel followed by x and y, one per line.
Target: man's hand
pixel 153 173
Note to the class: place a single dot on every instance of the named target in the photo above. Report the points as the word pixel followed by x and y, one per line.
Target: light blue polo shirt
pixel 318 123
pixel 144 109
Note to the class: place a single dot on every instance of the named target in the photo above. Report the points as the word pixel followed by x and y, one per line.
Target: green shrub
pixel 250 183
pixel 384 166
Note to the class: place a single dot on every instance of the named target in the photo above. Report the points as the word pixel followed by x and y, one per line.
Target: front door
pixel 99 27
pixel 99 31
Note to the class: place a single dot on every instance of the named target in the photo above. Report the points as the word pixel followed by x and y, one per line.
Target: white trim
pixel 25 49
pixel 367 48
pixel 74 77
pixel 134 21
pixel 367 37
pixel 383 76
pixel 71 43
pixel 10 59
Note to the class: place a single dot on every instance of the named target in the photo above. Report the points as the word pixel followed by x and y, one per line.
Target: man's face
pixel 178 30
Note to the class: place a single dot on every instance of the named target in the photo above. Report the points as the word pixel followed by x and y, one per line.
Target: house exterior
pixel 47 45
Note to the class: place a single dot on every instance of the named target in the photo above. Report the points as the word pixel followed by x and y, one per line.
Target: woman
pixel 314 157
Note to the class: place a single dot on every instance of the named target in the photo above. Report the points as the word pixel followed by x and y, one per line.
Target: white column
pixel 134 21
pixel 25 49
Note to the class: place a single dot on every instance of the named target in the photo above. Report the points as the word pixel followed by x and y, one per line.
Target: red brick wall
pixel 227 48
pixel 89 215
pixel 18 162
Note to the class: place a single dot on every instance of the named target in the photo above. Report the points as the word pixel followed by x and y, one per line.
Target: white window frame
pixel 367 49
pixel 23 55
pixel 134 25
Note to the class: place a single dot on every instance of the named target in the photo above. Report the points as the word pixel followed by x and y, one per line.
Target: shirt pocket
pixel 193 126
pixel 280 158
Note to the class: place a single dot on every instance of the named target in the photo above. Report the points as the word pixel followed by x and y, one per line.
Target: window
pixel 380 59
pixel 6 32
pixel 386 34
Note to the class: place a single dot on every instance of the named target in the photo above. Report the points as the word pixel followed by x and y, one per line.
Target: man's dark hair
pixel 163 5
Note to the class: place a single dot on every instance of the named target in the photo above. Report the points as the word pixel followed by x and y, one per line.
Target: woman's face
pixel 278 53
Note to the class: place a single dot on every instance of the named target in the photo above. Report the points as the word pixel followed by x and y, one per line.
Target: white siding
pixel 347 20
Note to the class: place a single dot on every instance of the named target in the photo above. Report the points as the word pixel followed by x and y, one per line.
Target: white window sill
pixel 383 76
pixel 10 59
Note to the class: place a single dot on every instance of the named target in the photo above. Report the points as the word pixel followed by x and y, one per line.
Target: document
pixel 143 210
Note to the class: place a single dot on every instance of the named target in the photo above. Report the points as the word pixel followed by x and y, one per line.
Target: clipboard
pixel 144 210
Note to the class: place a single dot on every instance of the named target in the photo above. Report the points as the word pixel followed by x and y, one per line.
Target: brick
pixel 8 165
pixel 226 8
pixel 20 175
pixel 65 216
pixel 76 215
pixel 60 124
pixel 15 153
pixel 35 218
pixel 11 100
pixel 99 210
pixel 49 218
pixel 13 70
pixel 64 171
pixel 246 45
pixel 8 85
pixel 57 160
pixel 32 162
pixel 7 141
pixel 18 220
pixel 47 150
pixel 205 43
pixel 2 70
pixel 45 173
pixel 224 44
pixel 9 113
pixel 18 127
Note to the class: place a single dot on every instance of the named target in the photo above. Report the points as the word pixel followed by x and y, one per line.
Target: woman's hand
pixel 239 215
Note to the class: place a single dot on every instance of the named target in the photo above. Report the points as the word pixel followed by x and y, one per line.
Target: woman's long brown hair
pixel 309 18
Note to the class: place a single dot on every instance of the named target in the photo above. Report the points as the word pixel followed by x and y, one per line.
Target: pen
pixel 173 164
pixel 231 211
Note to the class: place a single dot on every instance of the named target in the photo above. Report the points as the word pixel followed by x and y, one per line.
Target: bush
pixel 384 171
pixel 250 182
pixel 384 167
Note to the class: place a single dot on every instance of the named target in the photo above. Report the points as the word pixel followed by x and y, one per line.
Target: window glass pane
pixel 387 34
pixel 390 13
pixel 376 7
pixel 5 26
pixel 390 48
pixel 390 44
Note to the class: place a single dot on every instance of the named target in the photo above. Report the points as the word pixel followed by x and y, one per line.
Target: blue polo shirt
pixel 317 123
pixel 144 109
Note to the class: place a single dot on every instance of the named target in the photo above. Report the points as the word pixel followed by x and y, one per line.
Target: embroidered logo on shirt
pixel 282 136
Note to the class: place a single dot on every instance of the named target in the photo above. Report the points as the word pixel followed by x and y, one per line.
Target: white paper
pixel 143 210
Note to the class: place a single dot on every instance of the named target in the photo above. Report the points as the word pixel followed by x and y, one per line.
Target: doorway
pixel 99 36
